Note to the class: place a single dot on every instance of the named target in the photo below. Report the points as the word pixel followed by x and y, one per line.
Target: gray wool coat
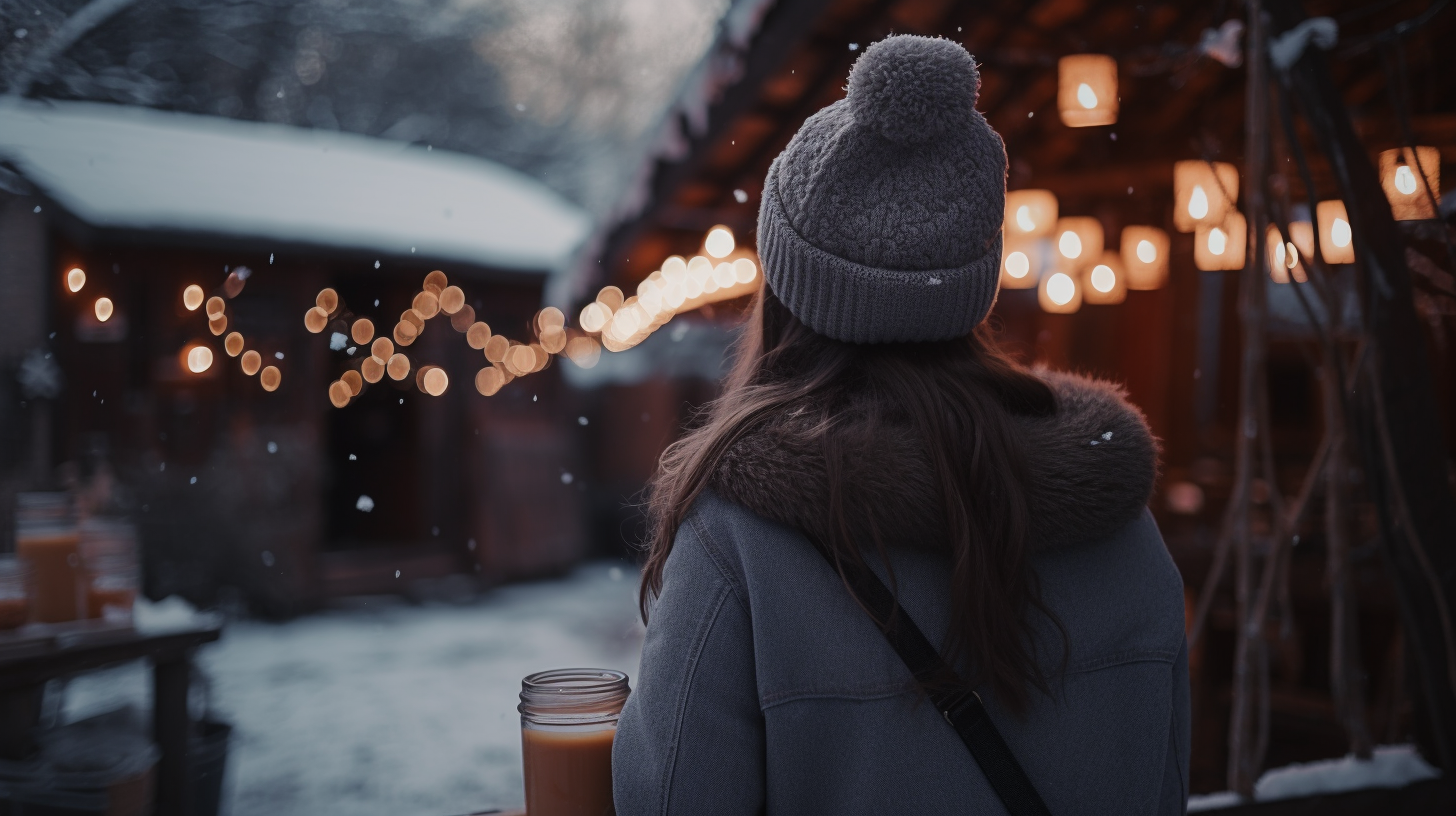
pixel 764 688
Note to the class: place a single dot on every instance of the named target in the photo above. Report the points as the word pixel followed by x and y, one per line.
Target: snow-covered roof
pixel 121 167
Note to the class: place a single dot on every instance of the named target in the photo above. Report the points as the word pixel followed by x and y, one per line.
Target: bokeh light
pixel 75 279
pixel 451 299
pixel 199 359
pixel 362 331
pixel 477 335
pixel 398 367
pixel 233 344
pixel 217 325
pixel 315 319
pixel 104 309
pixel 435 282
pixel 354 381
pixel 251 362
pixel 216 307
pixel 372 369
pixel 426 304
pixel 192 297
pixel 328 300
pixel 436 381
pixel 719 242
pixel 339 393
pixel 271 378
pixel 381 349
pixel 488 381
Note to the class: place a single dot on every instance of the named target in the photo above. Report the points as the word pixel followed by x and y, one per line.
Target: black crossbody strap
pixel 962 709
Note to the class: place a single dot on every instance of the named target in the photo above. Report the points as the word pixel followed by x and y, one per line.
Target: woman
pixel 871 426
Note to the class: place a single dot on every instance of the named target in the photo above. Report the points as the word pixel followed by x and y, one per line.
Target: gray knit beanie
pixel 881 221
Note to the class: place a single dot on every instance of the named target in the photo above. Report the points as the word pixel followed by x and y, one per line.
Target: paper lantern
pixel 1030 213
pixel 1077 242
pixel 1203 193
pixel 1337 240
pixel 1145 257
pixel 1220 247
pixel 1059 293
pixel 1105 282
pixel 1022 260
pixel 1284 257
pixel 1409 175
pixel 1087 90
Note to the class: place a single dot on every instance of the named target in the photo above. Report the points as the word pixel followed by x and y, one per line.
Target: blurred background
pixel 211 214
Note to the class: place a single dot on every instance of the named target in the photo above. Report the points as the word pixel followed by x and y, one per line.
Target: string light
pixel 381 350
pixel 192 297
pixel 104 309
pixel 436 381
pixel 271 378
pixel 435 282
pixel 216 307
pixel 426 305
pixel 1059 294
pixel 1337 244
pixel 233 344
pixel 315 319
pixel 251 362
pixel 1203 193
pixel 1145 257
pixel 75 279
pixel 1408 176
pixel 339 393
pixel 1106 282
pixel 328 300
pixel 451 299
pixel 362 331
pixel 354 381
pixel 1087 90
pixel 199 359
pixel 719 242
pixel 477 335
pixel 398 367
pixel 463 318
pixel 217 325
pixel 1079 242
pixel 372 369
pixel 1220 247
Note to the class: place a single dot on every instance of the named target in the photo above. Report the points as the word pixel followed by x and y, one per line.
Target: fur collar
pixel 1091 470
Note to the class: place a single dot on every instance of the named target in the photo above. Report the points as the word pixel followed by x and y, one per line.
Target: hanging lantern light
pixel 1284 257
pixel 1021 262
pixel 1203 192
pixel 1077 242
pixel 1059 293
pixel 1409 176
pixel 1337 240
pixel 1220 247
pixel 1087 90
pixel 1030 213
pixel 1145 257
pixel 1106 281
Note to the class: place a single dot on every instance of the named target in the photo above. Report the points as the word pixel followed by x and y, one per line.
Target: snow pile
pixel 386 709
pixel 1392 766
pixel 140 169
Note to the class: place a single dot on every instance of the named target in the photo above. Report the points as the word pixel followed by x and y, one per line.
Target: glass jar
pixel 109 568
pixel 47 540
pixel 568 721
pixel 14 592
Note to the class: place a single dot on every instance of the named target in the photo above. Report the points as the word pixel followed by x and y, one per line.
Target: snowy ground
pixel 389 709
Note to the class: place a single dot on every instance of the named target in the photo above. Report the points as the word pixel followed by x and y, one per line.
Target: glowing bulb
pixel 744 270
pixel 724 275
pixel 1103 279
pixel 1405 181
pixel 104 309
pixel 75 279
pixel 1086 97
pixel 436 381
pixel 1198 203
pixel 1061 289
pixel 199 359
pixel 1293 260
pixel 192 298
pixel 1146 252
pixel 1339 236
pixel 1279 254
pixel 1023 219
pixel 1017 264
pixel 719 242
pixel 1217 241
pixel 675 269
pixel 1070 246
pixel 314 319
pixel 271 378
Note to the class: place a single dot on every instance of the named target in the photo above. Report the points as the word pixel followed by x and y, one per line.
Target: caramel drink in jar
pixel 568 721
pixel 47 540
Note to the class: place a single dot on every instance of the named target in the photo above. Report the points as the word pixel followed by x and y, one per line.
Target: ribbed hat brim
pixel 854 303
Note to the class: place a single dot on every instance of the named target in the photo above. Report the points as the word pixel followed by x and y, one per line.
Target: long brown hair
pixel 959 398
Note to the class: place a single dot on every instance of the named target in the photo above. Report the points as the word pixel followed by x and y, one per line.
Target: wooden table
pixel 38 653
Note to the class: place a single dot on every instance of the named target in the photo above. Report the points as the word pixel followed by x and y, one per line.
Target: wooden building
pixel 1176 345
pixel 276 494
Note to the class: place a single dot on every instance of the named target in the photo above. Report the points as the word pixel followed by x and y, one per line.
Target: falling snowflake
pixel 337 341
pixel 193 480
pixel 566 478
pixel 364 504
pixel 353 458
pixel 272 447
pixel 581 420
pixel 854 46
pixel 740 196
pixel 268 558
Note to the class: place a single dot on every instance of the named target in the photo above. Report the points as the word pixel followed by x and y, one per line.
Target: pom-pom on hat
pixel 881 221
